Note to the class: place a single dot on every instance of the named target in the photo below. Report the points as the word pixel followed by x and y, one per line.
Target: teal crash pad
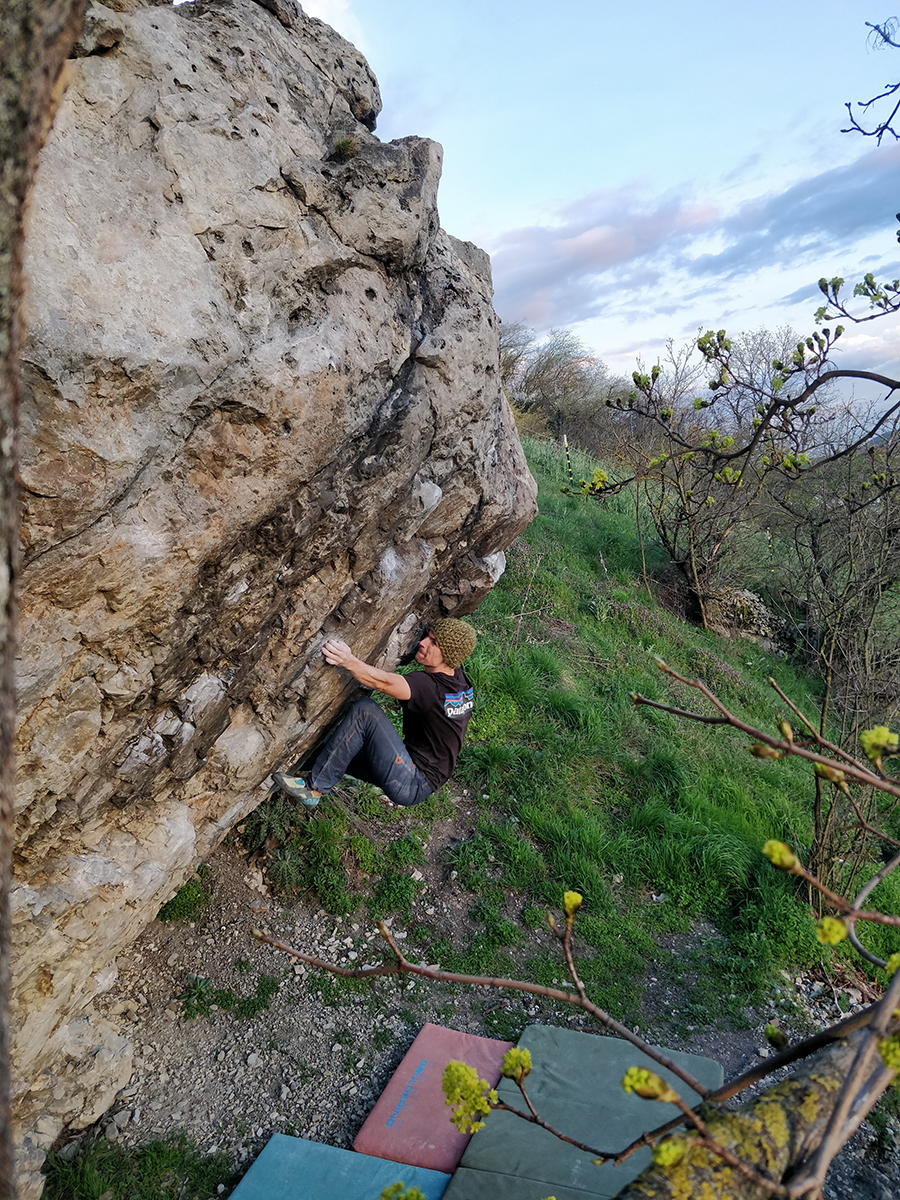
pixel 292 1168
pixel 576 1086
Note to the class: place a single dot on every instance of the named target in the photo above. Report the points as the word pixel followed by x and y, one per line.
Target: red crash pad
pixel 411 1122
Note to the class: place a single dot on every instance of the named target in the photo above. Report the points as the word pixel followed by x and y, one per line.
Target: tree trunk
pixel 774 1132
pixel 35 39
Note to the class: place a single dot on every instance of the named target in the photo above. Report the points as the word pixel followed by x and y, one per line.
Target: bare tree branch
pixel 402 966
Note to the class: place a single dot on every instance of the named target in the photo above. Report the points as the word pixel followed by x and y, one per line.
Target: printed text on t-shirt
pixel 459 703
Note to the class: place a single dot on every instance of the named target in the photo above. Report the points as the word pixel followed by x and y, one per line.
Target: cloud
pixel 554 274
pixel 339 15
pixel 836 206
pixel 621 249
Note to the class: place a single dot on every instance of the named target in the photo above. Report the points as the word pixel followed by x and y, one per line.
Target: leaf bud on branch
pixel 516 1064
pixel 648 1085
pixel 831 930
pixel 782 856
pixel 758 750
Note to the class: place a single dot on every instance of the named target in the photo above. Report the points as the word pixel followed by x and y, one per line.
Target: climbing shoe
pixel 294 786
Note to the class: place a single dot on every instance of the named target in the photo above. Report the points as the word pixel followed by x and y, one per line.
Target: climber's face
pixel 429 654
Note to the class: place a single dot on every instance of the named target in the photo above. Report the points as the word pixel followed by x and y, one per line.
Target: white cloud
pixel 628 268
pixel 339 15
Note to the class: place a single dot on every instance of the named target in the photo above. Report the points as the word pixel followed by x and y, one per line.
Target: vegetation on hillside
pixel 591 804
pixel 657 823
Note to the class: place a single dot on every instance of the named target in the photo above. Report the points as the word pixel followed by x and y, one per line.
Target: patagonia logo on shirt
pixel 459 703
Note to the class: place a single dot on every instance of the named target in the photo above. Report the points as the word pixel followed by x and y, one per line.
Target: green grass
pixel 251 1006
pixel 199 996
pixel 394 893
pixel 187 902
pixel 658 821
pixel 170 1169
pixel 325 852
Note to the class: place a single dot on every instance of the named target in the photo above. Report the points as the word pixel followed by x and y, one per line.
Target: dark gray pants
pixel 367 746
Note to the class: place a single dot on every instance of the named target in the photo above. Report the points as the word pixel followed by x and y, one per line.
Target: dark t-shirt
pixel 434 721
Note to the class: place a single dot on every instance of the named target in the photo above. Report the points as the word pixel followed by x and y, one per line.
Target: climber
pixel 437 704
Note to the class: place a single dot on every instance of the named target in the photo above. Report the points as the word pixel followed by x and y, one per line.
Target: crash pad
pixel 576 1086
pixel 292 1168
pixel 411 1121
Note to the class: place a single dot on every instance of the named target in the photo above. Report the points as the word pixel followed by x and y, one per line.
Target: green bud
pixel 648 1085
pixel 781 855
pixel 830 931
pixel 399 1191
pixel 671 1151
pixel 878 741
pixel 832 774
pixel 469 1097
pixel 516 1064
pixel 762 751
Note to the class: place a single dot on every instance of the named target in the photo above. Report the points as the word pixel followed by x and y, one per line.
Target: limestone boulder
pixel 262 408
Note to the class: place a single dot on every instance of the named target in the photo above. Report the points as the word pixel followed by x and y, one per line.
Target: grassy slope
pixel 579 789
pixel 624 804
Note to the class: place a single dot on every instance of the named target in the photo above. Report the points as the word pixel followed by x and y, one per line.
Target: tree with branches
pixel 880 36
pixel 754 419
pixel 558 380
pixel 836 581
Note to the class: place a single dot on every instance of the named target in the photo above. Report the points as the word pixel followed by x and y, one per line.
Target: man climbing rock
pixel 437 704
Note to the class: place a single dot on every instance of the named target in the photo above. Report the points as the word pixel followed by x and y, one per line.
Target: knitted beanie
pixel 455 639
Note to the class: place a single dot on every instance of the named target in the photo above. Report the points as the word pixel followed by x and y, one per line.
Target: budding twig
pixel 534 1119
pixel 402 966
pixel 851 770
pixel 820 741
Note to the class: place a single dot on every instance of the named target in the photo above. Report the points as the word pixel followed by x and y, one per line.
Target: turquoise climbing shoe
pixel 296 788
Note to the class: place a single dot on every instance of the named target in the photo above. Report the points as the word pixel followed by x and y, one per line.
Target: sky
pixel 638 172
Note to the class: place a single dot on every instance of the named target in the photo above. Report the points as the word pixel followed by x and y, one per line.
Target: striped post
pixel 568 461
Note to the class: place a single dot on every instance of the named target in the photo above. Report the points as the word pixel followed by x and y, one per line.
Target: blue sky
pixel 637 172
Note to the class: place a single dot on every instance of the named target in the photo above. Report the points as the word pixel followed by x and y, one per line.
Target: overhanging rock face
pixel 262 408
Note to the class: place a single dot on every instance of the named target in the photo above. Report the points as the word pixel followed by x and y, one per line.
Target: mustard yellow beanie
pixel 455 638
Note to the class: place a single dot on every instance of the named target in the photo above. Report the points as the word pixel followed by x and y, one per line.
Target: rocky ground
pixel 314 1061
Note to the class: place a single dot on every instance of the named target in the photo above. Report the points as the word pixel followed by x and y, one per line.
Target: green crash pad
pixel 576 1086
pixel 292 1168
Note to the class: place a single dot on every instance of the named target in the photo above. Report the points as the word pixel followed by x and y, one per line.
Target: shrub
pixel 344 148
